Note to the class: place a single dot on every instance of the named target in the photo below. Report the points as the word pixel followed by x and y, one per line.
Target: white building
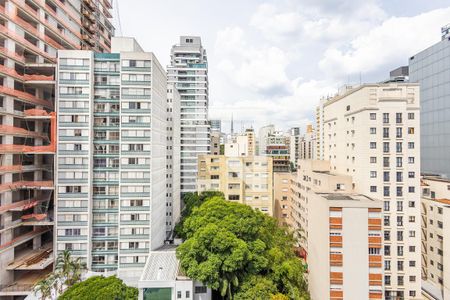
pixel 162 279
pixel 308 144
pixel 188 71
pixel 262 137
pixel 111 158
pixel 372 133
pixel 435 237
pixel 173 193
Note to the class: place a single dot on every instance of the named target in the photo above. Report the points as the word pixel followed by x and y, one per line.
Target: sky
pixel 270 61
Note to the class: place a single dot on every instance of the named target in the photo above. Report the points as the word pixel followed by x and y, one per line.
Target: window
pixel 373 116
pixel 410 145
pixel 410 130
pixel 200 289
pixel 411 175
pixel 387 278
pixel 386 191
pixel 386 132
pixel 233 197
pixel 399 162
pixel 398 147
pixel 188 294
pixel 386 162
pixel 386 118
pixel 399 132
pixel 412 293
pixel 410 160
pixel 398 118
pixel 179 294
pixel 386 176
pixel 373 174
pixel 410 116
pixel 399 191
pixel 400 280
pixel 373 189
pixel 386 206
pixel 399 176
pixel 386 147
pixel 411 189
pixel 373 160
pixel 374 251
pixel 399 206
pixel 400 250
pixel 387 252
pixel 373 130
pixel 399 236
pixel 373 145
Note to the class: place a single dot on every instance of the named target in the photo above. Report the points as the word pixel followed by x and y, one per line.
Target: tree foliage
pixel 191 201
pixel 67 272
pixel 100 288
pixel 240 252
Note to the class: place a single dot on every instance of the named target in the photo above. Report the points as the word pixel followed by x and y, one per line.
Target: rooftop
pixel 350 200
pixel 162 265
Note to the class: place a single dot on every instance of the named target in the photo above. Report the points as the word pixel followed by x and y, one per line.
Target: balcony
pixel 25 97
pixel 18 185
pixel 38 259
pixel 23 238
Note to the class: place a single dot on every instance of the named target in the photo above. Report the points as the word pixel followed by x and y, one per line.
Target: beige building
pixel 435 237
pixel 308 144
pixel 215 143
pixel 372 133
pixel 281 195
pixel 246 179
pixel 340 233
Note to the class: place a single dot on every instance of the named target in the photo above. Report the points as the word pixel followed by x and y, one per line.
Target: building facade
pixel 281 195
pixel 173 193
pixel 294 144
pixel 188 71
pixel 340 233
pixel 431 70
pixel 245 179
pixel 372 133
pixel 31 33
pixel 111 184
pixel 262 136
pixel 277 147
pixel 435 234
pixel 308 144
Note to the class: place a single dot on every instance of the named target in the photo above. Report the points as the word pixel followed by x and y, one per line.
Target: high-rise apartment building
pixel 294 144
pixel 111 159
pixel 188 71
pixel 277 147
pixel 173 193
pixel 340 233
pixel 216 125
pixel 435 237
pixel 372 133
pixel 245 179
pixel 430 68
pixel 308 144
pixel 31 33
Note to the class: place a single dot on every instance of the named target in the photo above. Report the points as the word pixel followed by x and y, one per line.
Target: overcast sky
pixel 270 61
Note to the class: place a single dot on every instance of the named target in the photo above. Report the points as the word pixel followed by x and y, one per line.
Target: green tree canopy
pixel 228 244
pixel 100 288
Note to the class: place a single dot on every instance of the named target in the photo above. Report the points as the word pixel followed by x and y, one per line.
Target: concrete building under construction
pixel 31 32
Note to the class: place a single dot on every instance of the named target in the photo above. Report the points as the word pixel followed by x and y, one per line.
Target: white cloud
pixel 392 42
pixel 261 69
